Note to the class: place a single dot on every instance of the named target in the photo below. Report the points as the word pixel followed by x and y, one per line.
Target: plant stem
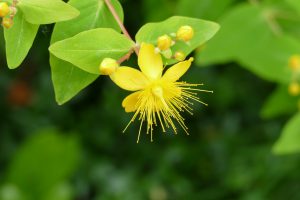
pixel 119 21
pixel 126 57
pixel 14 9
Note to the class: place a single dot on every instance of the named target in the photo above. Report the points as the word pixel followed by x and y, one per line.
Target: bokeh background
pixel 78 151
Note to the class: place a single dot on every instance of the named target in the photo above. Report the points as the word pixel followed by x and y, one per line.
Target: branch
pixel 126 57
pixel 119 21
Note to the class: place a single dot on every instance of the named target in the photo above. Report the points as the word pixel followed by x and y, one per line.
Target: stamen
pixel 163 103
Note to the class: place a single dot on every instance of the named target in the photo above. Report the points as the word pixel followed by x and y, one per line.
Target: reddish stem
pixel 119 21
pixel 126 57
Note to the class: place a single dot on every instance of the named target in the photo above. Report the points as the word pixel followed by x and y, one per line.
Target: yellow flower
pixel 157 99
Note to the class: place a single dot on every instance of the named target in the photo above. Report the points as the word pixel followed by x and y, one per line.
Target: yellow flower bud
pixel 294 62
pixel 180 56
pixel 164 42
pixel 294 89
pixel 7 22
pixel 185 33
pixel 4 9
pixel 108 66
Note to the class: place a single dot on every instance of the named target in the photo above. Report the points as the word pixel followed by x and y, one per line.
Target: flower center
pixel 158 91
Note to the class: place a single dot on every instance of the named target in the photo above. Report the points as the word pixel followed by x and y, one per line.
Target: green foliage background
pixel 77 151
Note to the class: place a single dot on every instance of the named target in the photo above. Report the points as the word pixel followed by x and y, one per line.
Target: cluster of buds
pixel 7 13
pixel 165 42
pixel 294 65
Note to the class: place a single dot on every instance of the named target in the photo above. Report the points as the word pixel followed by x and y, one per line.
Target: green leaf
pixel 68 79
pixel 286 15
pixel 47 11
pixel 266 53
pixel 45 160
pixel 279 103
pixel 234 37
pixel 270 61
pixel 205 9
pixel 295 4
pixel 204 30
pixel 18 40
pixel 289 141
pixel 87 49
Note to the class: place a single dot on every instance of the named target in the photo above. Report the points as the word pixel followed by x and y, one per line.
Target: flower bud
pixel 180 56
pixel 4 9
pixel 164 42
pixel 167 53
pixel 108 66
pixel 294 89
pixel 7 22
pixel 185 33
pixel 294 62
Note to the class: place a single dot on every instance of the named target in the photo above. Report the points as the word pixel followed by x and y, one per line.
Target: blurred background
pixel 78 151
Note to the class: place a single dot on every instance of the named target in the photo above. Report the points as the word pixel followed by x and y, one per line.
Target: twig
pixel 126 57
pixel 14 9
pixel 119 21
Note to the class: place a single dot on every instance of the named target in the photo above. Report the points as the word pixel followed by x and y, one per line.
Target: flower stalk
pixel 119 21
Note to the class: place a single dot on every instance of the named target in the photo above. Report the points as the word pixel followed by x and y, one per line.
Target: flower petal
pixel 129 78
pixel 176 71
pixel 150 62
pixel 129 103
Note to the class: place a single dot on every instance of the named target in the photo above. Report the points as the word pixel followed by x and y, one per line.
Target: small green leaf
pixel 68 79
pixel 47 11
pixel 45 160
pixel 289 141
pixel 279 103
pixel 204 30
pixel 18 40
pixel 87 49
